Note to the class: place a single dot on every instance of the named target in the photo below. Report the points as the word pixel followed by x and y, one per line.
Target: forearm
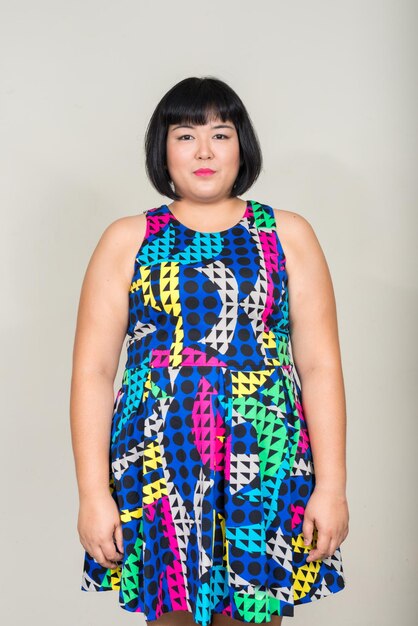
pixel 91 405
pixel 323 398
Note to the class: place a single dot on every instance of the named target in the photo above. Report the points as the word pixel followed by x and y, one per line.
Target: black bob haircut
pixel 195 101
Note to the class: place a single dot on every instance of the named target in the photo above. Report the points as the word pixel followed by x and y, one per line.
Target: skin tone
pixel 103 312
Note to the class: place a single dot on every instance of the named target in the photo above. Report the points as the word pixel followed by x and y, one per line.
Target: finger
pixel 313 556
pixel 319 553
pixel 118 534
pixel 307 530
pixel 102 560
pixel 109 550
pixel 332 547
pixel 316 552
pixel 324 539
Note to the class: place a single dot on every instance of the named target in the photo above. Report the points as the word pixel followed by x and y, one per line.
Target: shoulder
pixel 292 225
pixel 119 243
pixel 294 228
pixel 297 236
pixel 123 230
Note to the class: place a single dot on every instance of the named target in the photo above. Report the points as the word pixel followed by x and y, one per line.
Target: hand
pixel 328 509
pixel 99 528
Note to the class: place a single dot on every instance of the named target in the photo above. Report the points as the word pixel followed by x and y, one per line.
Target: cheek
pixel 177 155
pixel 231 163
pixel 231 155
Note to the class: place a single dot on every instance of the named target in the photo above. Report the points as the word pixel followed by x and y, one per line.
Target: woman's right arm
pixel 100 331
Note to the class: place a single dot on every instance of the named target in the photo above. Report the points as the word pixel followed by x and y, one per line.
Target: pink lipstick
pixel 204 172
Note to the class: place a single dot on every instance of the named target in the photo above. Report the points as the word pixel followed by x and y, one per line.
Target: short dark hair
pixel 193 101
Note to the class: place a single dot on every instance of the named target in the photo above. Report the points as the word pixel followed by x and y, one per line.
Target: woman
pixel 208 491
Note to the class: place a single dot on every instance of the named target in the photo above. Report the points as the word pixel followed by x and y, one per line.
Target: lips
pixel 204 172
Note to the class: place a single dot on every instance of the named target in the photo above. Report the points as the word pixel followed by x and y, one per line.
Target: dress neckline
pixel 206 232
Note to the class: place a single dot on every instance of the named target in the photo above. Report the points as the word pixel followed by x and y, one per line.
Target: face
pixel 213 146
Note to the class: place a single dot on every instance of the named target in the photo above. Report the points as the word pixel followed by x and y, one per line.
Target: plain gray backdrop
pixel 331 88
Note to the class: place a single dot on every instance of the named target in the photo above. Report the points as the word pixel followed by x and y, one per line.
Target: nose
pixel 204 150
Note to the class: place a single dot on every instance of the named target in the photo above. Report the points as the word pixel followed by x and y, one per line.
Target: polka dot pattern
pixel 210 459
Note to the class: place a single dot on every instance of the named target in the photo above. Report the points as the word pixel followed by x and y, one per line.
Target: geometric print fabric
pixel 210 460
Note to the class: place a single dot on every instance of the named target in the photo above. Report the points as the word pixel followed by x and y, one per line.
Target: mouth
pixel 204 172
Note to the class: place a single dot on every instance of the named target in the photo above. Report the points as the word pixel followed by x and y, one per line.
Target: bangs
pixel 199 103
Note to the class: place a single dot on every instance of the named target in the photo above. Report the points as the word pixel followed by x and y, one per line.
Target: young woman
pixel 209 491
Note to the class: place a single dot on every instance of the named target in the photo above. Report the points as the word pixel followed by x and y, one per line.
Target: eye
pixel 217 135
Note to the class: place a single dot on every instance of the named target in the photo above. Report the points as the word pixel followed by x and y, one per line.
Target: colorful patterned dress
pixel 210 457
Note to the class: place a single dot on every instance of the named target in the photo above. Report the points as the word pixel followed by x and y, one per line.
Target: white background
pixel 331 89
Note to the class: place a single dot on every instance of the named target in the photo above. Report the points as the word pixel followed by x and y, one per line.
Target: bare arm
pixel 101 328
pixel 316 351
pixel 316 354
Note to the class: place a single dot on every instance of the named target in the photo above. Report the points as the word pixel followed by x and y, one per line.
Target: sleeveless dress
pixel 210 458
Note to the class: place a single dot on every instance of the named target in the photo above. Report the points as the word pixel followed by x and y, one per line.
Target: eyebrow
pixel 189 126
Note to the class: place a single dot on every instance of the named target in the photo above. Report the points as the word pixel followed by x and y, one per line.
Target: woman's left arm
pixel 317 358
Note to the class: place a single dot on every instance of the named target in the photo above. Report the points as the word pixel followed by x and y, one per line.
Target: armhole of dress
pixel 146 235
pixel 276 230
pixel 139 250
